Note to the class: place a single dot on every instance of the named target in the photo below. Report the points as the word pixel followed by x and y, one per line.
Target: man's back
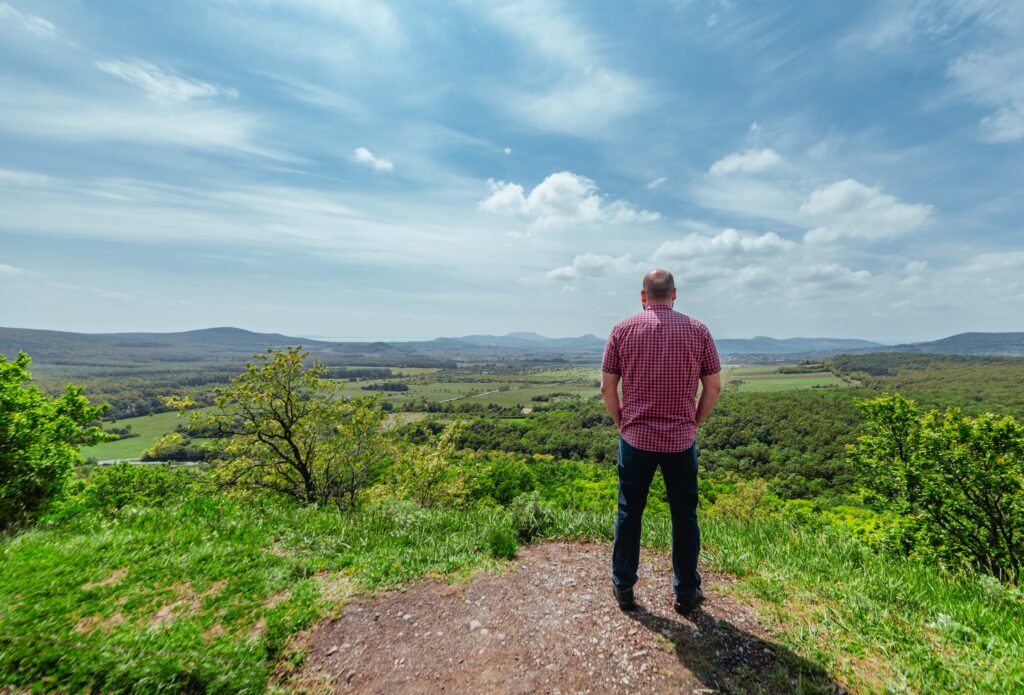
pixel 661 355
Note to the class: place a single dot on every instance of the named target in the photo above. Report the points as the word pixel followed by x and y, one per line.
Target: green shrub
pixel 529 517
pixel 501 543
pixel 39 440
pixel 125 484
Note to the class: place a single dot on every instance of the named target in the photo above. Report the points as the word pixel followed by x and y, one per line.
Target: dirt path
pixel 550 625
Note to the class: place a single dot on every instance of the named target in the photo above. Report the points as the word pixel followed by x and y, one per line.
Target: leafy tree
pixel 427 473
pixel 282 428
pixel 39 439
pixel 959 479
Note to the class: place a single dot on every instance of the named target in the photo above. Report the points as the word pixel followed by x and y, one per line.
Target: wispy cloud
pixel 364 156
pixel 748 162
pixel 37 26
pixel 161 83
pixel 582 93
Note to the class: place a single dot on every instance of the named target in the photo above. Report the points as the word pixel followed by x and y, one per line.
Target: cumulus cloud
pixel 592 265
pixel 849 210
pixel 28 22
pixel 727 242
pixel 364 156
pixel 751 161
pixel 833 275
pixel 160 83
pixel 563 199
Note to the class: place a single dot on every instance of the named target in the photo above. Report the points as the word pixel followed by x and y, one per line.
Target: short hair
pixel 658 284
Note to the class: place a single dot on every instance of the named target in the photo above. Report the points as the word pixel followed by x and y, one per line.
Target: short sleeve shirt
pixel 661 355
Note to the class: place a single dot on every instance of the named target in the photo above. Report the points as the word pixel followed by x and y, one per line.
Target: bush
pixel 39 440
pixel 501 543
pixel 957 481
pixel 124 484
pixel 529 517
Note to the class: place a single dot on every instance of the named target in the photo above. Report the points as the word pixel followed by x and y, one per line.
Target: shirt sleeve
pixel 709 362
pixel 611 363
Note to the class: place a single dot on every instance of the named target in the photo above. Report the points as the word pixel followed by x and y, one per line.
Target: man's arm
pixel 610 393
pixel 710 388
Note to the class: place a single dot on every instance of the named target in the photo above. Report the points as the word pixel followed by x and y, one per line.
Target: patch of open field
pixel 148 427
pixel 768 378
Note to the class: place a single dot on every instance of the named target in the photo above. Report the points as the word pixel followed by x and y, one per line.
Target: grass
pixel 759 378
pixel 148 427
pixel 204 595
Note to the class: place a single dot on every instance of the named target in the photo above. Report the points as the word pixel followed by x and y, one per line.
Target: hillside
pixel 1007 344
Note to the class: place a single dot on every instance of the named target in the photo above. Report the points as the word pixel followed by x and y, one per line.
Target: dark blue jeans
pixel 636 471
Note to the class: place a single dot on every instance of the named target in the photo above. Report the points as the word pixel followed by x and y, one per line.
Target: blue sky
pixel 371 169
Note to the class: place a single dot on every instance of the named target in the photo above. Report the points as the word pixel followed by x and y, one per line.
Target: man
pixel 659 355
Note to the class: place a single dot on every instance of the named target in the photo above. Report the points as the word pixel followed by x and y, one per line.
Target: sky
pixel 358 169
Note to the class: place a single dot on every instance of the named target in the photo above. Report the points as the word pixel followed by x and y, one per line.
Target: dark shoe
pixel 686 604
pixel 625 599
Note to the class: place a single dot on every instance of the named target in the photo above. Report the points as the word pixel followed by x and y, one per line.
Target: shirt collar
pixel 662 307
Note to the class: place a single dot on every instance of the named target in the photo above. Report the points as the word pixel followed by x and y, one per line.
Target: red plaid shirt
pixel 661 356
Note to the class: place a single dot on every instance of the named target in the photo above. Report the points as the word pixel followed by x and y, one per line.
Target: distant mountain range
pixel 232 344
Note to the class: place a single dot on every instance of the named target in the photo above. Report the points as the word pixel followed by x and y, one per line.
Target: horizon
pixel 365 339
pixel 456 169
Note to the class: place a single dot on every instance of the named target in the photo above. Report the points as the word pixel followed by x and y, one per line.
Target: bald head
pixel 659 285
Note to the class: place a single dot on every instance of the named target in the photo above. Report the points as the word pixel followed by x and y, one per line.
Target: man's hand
pixel 710 388
pixel 610 393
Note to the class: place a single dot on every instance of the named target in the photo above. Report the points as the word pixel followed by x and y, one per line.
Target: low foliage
pixel 958 481
pixel 39 440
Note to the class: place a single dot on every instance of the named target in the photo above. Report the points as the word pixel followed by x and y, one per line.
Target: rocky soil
pixel 550 625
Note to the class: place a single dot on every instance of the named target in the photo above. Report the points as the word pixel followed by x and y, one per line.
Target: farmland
pixel 431 389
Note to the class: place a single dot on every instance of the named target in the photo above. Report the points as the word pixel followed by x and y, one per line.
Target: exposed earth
pixel 550 625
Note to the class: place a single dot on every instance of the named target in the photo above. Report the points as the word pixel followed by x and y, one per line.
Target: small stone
pixel 484 631
pixel 632 632
pixel 407 616
pixel 333 649
pixel 475 624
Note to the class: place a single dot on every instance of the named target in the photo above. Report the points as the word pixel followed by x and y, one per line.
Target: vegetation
pixel 957 482
pixel 188 579
pixel 974 384
pixel 39 440
pixel 282 428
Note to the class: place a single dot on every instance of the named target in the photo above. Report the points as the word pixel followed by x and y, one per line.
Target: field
pixel 769 378
pixel 429 386
pixel 148 427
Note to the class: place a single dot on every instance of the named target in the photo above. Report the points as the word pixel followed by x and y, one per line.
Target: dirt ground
pixel 550 625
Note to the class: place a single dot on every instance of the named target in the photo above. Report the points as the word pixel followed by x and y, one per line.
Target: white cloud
pixel 160 83
pixel 59 115
pixel 573 89
pixel 849 210
pixel 31 23
pixel 364 156
pixel 985 263
pixel 11 271
pixel 748 162
pixel 657 183
pixel 373 19
pixel 994 79
pixel 833 275
pixel 562 199
pixel 728 242
pixel 508 150
pixel 589 265
pixel 10 177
